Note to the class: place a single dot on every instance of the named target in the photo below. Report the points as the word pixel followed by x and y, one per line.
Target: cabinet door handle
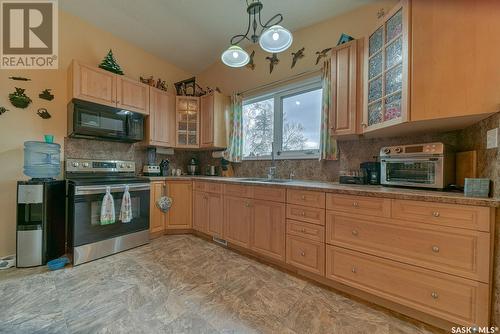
pixel 303 197
pixel 435 249
pixel 355 204
pixel 355 233
pixel 303 214
pixel 434 295
pixel 303 230
pixel 354 270
pixel 302 253
pixel 436 214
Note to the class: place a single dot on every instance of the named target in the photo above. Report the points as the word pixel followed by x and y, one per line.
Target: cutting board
pixel 466 166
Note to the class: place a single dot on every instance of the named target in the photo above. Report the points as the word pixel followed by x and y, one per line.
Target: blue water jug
pixel 41 159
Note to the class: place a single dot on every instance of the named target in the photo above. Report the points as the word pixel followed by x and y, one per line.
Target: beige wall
pixel 356 23
pixel 77 40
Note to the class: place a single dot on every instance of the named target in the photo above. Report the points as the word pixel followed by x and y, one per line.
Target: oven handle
pixel 115 188
pixel 433 159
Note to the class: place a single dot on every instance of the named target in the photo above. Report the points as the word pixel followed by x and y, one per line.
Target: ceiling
pixel 191 34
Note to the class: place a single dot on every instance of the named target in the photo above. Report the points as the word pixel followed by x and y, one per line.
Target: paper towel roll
pixel 217 154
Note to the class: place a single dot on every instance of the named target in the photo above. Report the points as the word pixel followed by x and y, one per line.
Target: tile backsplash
pixel 351 154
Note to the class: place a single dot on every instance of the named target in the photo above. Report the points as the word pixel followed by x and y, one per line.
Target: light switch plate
pixel 492 138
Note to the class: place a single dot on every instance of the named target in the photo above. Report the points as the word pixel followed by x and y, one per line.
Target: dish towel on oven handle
pixel 126 209
pixel 107 208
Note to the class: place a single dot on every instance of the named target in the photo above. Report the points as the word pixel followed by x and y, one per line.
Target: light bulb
pixel 276 36
pixel 235 54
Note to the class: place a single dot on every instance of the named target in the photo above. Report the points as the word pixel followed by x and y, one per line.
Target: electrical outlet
pixel 492 138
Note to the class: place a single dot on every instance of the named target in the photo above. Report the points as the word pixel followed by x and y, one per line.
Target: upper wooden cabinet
pixel 345 110
pixel 213 108
pixel 160 125
pixel 455 53
pixel 132 95
pixel 386 71
pixel 90 83
pixel 187 122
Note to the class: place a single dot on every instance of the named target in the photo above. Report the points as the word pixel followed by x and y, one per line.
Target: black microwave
pixel 96 121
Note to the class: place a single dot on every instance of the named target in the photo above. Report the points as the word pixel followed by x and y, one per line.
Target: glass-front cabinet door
pixel 188 121
pixel 386 73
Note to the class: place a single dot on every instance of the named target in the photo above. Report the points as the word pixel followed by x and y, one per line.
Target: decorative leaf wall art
pixel 321 54
pixel 296 56
pixel 273 61
pixel 46 95
pixel 19 99
pixel 251 64
pixel 20 78
pixel 3 110
pixel 43 113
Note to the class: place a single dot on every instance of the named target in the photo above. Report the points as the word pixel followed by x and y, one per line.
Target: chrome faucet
pixel 271 174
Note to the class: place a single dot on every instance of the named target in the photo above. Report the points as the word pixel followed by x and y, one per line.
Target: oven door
pixel 86 212
pixel 413 172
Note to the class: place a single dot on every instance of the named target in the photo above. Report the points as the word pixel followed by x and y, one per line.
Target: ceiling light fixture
pixel 273 37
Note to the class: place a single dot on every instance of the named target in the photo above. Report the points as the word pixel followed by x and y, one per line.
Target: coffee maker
pixel 372 171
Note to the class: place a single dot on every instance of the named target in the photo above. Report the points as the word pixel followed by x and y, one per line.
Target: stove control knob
pixel 85 164
pixel 398 149
pixel 122 165
pixel 387 150
pixel 129 166
pixel 76 164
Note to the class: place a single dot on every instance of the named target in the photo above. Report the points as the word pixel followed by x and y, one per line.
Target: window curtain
pixel 234 151
pixel 328 146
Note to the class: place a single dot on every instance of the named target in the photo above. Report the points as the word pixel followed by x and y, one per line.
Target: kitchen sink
pixel 261 179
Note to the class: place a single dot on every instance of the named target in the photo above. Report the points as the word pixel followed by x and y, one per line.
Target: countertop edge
pixel 361 190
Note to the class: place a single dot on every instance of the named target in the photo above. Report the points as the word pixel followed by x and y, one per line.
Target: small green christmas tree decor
pixel 109 64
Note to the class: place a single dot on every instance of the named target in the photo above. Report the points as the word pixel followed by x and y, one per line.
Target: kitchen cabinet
pixel 213 108
pixel 187 122
pixel 346 91
pixel 238 216
pixel 268 229
pixel 132 95
pixel 200 211
pixel 386 70
pixel 215 215
pixel 160 124
pixel 208 213
pixel 179 217
pixel 90 83
pixel 157 218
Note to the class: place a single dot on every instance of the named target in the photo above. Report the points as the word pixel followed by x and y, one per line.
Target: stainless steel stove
pixel 87 183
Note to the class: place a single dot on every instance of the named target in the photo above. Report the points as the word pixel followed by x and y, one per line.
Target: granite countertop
pixel 348 189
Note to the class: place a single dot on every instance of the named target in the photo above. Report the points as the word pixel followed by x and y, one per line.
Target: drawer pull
pixel 355 233
pixel 435 214
pixel 303 214
pixel 435 249
pixel 247 204
pixel 355 204
pixel 303 230
pixel 353 270
pixel 303 197
pixel 434 295
pixel 302 253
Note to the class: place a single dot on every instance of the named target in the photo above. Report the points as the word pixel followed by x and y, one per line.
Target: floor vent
pixel 220 241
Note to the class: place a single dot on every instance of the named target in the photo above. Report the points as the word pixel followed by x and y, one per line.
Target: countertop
pixel 348 189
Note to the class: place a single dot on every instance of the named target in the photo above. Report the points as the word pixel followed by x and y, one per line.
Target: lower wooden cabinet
pixel 179 216
pixel 157 218
pixel 200 211
pixel 305 254
pixel 208 213
pixel 452 298
pixel 268 229
pixel 215 215
pixel 238 216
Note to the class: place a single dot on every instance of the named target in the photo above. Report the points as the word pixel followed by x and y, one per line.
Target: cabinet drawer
pixel 213 187
pixel 269 194
pixel 470 217
pixel 316 199
pixel 305 254
pixel 305 214
pixel 238 190
pixel 305 230
pixel 199 186
pixel 371 206
pixel 453 251
pixel 455 299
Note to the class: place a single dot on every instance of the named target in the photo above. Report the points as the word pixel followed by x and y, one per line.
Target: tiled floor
pixel 182 284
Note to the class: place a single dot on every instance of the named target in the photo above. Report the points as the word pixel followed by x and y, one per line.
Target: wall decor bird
pixel 321 54
pixel 273 61
pixel 296 56
pixel 43 113
pixel 251 64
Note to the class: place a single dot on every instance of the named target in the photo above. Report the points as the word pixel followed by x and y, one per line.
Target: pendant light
pixel 273 37
pixel 235 56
